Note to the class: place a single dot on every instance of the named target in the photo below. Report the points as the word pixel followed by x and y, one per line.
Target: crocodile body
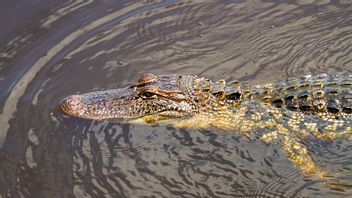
pixel 287 112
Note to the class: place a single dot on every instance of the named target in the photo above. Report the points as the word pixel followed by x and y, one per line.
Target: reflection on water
pixel 54 48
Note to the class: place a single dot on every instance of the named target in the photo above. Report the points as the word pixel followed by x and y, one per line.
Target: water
pixel 51 49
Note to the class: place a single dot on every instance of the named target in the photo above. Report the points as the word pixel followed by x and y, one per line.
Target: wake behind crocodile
pixel 287 112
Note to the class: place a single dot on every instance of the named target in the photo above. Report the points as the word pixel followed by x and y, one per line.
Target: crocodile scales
pixel 288 111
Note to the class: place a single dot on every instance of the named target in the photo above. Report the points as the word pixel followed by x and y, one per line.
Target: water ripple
pixel 62 48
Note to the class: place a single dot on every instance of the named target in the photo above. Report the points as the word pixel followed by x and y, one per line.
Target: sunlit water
pixel 51 49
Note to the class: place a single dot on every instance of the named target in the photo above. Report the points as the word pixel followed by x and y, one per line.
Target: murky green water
pixel 51 49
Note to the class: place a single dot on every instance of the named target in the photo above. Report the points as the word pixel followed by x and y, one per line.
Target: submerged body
pixel 289 111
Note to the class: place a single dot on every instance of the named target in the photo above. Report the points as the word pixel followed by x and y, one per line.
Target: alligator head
pixel 161 96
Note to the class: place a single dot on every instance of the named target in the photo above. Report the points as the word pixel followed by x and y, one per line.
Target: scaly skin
pixel 287 112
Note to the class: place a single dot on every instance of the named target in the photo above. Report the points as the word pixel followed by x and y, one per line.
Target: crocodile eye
pixel 146 78
pixel 147 94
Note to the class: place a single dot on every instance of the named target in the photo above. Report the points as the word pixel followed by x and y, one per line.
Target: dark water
pixel 51 49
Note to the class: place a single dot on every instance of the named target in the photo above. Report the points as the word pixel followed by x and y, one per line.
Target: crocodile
pixel 286 112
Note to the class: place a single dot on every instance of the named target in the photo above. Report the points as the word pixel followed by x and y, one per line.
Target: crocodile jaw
pixel 123 104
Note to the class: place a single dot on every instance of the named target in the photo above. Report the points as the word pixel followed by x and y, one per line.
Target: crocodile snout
pixel 72 105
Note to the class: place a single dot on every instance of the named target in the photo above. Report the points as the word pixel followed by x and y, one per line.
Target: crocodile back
pixel 323 93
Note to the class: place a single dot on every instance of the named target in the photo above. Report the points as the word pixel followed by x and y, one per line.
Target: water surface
pixel 51 49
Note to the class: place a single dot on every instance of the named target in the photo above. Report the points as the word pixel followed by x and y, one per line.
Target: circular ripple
pixel 55 49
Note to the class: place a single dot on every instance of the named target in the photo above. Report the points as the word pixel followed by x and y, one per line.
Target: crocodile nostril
pixel 71 104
